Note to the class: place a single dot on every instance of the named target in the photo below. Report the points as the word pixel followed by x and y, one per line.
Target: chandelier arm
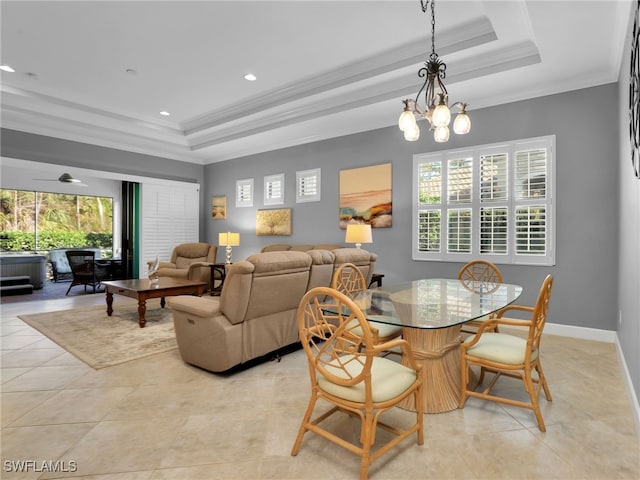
pixel 441 85
pixel 421 73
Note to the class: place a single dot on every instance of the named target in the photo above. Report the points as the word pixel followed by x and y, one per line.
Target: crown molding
pixel 472 34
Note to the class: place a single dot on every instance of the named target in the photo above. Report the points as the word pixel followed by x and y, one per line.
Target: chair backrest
pixel 335 353
pixel 187 253
pixel 81 261
pixel 540 310
pixel 480 273
pixel 348 279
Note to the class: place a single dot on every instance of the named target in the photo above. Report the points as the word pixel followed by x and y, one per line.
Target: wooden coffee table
pixel 142 290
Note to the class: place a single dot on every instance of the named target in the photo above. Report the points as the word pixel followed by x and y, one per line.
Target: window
pixel 244 193
pixel 308 186
pixel 40 221
pixel 492 201
pixel 274 189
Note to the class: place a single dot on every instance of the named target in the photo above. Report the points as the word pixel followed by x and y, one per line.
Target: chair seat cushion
pixel 500 347
pixel 384 330
pixel 388 379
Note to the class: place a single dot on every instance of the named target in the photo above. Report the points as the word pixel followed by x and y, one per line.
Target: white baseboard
pixel 583 333
pixel 608 336
pixel 635 404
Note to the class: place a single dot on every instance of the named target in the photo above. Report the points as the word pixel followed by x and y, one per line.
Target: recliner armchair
pixel 189 261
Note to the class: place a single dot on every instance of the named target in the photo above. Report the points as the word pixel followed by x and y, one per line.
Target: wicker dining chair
pixel 347 371
pixel 510 355
pixel 348 279
pixel 479 275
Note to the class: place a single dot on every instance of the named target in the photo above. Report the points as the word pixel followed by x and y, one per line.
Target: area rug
pixel 102 341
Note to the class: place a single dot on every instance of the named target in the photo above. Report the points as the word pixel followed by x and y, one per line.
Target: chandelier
pixel 436 98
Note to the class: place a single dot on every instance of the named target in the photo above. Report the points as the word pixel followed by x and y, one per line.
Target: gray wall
pixel 584 122
pixel 629 235
pixel 40 148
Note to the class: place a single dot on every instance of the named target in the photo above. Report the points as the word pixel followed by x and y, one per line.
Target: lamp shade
pixel 358 233
pixel 229 238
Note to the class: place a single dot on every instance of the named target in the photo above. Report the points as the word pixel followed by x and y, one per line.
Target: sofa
pixel 255 314
pixel 60 268
pixel 363 259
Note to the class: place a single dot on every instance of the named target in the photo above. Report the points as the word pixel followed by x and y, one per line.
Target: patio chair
pixel 84 269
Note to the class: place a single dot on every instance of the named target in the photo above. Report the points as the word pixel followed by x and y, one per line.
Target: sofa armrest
pixel 198 265
pixel 163 264
pixel 198 306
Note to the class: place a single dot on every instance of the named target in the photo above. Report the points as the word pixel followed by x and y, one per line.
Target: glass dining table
pixel 431 312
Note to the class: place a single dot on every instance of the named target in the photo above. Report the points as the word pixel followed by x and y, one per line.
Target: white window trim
pixel 315 172
pixel 270 180
pixel 240 186
pixel 511 257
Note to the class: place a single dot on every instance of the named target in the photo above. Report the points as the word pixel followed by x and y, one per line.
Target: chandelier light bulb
pixel 462 123
pixel 441 134
pixel 407 120
pixel 412 134
pixel 442 114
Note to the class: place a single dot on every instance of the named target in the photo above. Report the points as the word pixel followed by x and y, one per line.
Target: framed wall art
pixel 634 94
pixel 273 222
pixel 365 196
pixel 219 207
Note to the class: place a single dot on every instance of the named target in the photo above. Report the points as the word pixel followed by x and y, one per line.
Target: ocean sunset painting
pixel 365 196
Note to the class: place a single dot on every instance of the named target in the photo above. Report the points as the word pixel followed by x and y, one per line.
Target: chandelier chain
pixel 425 5
pixel 433 31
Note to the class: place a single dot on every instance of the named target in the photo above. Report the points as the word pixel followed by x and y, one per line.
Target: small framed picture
pixel 219 207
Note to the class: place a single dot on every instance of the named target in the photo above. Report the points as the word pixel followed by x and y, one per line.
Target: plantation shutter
pixel 490 201
pixel 244 193
pixel 308 186
pixel 170 215
pixel 274 189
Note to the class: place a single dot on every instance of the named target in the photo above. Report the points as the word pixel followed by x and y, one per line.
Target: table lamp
pixel 229 239
pixel 358 233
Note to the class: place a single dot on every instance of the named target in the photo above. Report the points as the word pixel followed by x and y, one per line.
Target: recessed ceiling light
pixel 7 68
pixel 165 113
pixel 250 76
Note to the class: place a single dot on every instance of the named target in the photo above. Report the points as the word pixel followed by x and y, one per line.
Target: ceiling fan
pixel 65 178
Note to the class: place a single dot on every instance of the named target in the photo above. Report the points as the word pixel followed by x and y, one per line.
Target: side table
pixel 218 274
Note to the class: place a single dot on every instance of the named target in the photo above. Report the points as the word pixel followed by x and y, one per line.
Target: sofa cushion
pixel 185 262
pixel 321 268
pixel 301 248
pixel 271 263
pixel 327 246
pixel 276 247
pixel 357 256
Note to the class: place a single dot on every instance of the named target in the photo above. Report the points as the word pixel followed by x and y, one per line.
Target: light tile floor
pixel 158 418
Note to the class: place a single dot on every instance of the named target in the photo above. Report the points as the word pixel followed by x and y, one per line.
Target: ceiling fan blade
pixel 67 178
